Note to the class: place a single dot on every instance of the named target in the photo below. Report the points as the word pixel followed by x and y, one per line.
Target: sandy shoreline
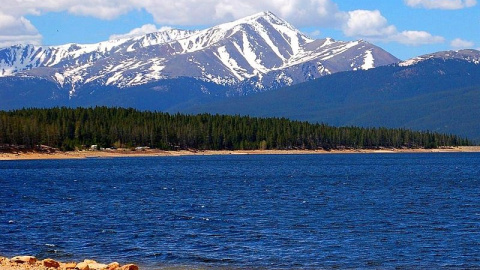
pixel 30 155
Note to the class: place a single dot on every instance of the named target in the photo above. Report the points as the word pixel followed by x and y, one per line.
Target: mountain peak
pixel 258 52
pixel 264 15
pixel 259 18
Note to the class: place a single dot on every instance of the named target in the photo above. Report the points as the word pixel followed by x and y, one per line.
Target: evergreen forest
pixel 79 128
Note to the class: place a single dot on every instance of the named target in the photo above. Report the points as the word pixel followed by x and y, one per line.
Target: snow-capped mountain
pixel 256 53
pixel 472 56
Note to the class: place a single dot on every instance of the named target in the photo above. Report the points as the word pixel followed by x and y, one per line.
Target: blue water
pixel 366 211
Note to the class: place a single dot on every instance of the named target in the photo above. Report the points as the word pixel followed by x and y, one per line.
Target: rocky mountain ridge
pixel 468 55
pixel 256 53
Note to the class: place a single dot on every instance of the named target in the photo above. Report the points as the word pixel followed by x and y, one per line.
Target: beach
pixel 38 155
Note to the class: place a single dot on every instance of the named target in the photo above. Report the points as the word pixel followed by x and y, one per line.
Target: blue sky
pixel 405 28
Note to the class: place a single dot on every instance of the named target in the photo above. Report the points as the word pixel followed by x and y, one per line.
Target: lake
pixel 334 211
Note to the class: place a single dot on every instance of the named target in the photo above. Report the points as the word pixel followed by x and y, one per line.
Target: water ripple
pixel 242 212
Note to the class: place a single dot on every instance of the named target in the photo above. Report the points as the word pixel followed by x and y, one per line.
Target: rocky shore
pixel 32 263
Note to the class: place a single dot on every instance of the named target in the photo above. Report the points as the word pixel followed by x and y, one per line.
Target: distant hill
pixel 437 93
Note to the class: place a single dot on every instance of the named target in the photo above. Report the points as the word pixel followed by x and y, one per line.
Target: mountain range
pixel 259 65
pixel 438 93
pixel 256 53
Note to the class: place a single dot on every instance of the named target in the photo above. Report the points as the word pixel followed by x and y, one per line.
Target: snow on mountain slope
pixel 21 58
pixel 470 55
pixel 261 51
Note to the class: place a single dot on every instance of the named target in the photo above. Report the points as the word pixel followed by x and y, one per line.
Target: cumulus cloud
pixel 368 24
pixel 461 44
pixel 17 30
pixel 185 12
pixel 207 12
pixel 96 8
pixel 416 38
pixel 100 11
pixel 441 4
pixel 371 25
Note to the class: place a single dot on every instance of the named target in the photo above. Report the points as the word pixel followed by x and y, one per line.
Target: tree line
pixel 77 128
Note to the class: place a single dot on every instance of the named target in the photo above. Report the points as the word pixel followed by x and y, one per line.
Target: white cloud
pixel 315 33
pixel 461 44
pixel 371 25
pixel 441 4
pixel 185 12
pixel 145 29
pixel 100 11
pixel 96 8
pixel 17 30
pixel 193 12
pixel 368 24
pixel 416 38
pixel 9 40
